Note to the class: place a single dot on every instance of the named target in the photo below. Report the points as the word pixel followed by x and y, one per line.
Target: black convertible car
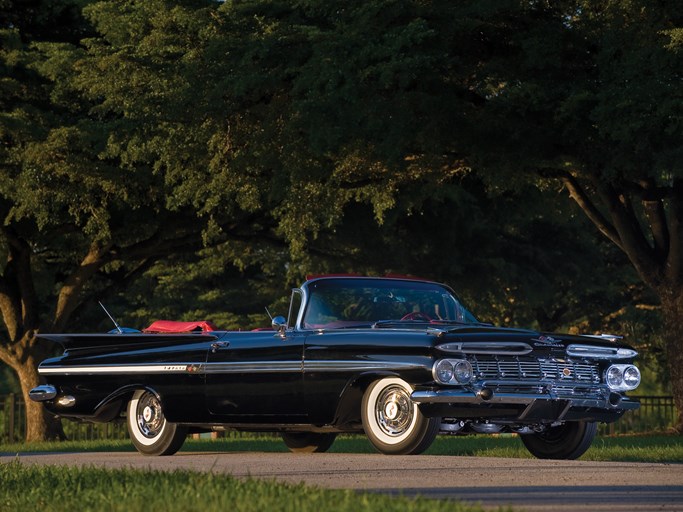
pixel 399 359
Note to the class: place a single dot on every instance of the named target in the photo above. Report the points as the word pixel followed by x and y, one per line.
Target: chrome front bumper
pixel 487 395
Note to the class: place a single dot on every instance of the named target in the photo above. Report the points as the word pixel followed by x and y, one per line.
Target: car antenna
pixel 118 327
pixel 269 315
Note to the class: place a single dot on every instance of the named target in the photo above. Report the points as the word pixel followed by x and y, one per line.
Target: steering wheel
pixel 417 315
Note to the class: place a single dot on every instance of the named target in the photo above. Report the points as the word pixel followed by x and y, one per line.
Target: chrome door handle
pixel 218 344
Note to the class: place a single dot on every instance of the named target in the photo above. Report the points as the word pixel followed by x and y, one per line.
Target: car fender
pixel 348 409
pixel 113 404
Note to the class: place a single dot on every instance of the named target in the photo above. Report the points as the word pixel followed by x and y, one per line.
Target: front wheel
pixel 567 441
pixel 393 422
pixel 308 442
pixel 150 432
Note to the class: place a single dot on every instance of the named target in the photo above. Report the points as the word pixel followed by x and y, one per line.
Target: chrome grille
pixel 524 368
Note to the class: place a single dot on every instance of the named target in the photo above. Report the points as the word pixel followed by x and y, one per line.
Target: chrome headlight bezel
pixel 622 377
pixel 443 371
pixel 453 372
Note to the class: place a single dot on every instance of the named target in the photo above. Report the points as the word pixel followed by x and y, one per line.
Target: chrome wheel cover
pixel 149 417
pixel 394 411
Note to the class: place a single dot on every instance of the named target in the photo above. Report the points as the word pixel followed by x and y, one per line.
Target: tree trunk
pixel 672 309
pixel 40 424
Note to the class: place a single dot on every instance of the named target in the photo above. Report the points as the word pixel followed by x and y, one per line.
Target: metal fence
pixel 13 424
pixel 656 414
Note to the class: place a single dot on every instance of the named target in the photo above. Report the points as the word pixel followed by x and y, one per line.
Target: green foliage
pixel 592 89
pixel 8 381
pixel 211 286
pixel 279 131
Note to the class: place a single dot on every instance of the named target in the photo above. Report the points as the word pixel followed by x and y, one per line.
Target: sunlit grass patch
pixel 59 489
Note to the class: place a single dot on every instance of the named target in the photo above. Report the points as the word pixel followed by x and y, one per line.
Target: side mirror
pixel 279 323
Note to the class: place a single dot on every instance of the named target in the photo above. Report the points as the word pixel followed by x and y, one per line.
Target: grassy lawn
pixel 57 489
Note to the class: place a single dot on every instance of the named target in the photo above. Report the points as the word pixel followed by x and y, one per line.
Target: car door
pixel 255 377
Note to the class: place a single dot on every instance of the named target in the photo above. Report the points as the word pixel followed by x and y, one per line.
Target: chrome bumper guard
pixel 42 393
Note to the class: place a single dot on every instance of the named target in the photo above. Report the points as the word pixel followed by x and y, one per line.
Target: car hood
pixel 482 339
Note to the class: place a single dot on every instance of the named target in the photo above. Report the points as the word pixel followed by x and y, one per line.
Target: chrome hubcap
pixel 148 413
pixel 149 417
pixel 394 411
pixel 391 410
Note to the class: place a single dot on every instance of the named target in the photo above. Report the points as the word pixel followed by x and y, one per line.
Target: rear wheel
pixel 567 441
pixel 308 442
pixel 393 422
pixel 150 432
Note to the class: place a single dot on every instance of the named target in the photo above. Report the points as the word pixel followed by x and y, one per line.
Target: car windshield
pixel 340 303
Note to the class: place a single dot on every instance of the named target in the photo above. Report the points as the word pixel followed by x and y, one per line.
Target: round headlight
pixel 631 377
pixel 463 372
pixel 615 377
pixel 444 371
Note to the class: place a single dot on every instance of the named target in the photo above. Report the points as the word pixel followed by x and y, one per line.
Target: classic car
pixel 399 359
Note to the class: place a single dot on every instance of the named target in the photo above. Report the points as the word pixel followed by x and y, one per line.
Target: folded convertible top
pixel 171 326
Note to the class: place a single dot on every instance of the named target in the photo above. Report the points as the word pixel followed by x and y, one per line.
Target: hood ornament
pixel 546 341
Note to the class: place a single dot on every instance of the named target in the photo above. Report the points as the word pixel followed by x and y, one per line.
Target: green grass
pixel 635 448
pixel 56 489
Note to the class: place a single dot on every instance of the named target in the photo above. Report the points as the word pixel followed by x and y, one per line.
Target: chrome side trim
pixel 42 393
pixel 228 367
pixel 120 370
pixel 306 366
pixel 252 367
pixel 339 366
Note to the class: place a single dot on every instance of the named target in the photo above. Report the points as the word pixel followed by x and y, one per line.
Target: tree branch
pixel 6 356
pixel 117 281
pixel 10 302
pixel 674 265
pixel 157 246
pixel 20 254
pixel 653 207
pixel 580 196
pixel 68 295
pixel 633 241
pixel 10 311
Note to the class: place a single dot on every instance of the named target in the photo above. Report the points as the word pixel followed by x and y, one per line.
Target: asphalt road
pixel 527 484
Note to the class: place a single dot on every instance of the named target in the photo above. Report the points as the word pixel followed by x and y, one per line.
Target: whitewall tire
pixel 393 422
pixel 149 431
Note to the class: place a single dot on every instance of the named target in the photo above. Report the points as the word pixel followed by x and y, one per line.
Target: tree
pixel 84 210
pixel 387 94
pixel 587 95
